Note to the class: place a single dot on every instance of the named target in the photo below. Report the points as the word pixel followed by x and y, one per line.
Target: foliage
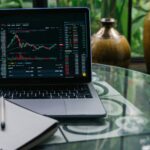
pixel 117 9
pixel 139 10
pixel 11 4
pixel 100 9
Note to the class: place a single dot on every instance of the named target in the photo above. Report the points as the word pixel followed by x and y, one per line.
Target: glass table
pixel 126 98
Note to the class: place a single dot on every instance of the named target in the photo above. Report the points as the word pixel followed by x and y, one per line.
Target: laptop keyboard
pixel 61 92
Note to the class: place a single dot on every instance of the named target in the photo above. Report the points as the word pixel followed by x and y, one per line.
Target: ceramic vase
pixel 109 46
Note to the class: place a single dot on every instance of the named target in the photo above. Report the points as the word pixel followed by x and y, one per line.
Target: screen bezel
pixel 50 80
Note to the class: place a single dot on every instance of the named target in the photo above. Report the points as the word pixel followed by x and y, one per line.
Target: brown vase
pixel 146 41
pixel 109 47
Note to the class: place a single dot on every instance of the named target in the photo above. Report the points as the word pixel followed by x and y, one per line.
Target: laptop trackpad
pixel 83 107
pixel 43 106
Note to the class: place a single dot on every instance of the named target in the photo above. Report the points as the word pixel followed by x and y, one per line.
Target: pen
pixel 3 124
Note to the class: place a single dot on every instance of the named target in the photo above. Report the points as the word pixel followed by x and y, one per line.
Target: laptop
pixel 46 61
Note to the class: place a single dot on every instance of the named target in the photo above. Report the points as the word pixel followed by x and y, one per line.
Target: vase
pixel 146 41
pixel 109 46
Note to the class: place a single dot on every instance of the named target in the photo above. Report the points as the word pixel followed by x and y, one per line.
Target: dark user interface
pixel 42 46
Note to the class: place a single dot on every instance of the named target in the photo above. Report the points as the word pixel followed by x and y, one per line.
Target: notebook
pixel 24 129
pixel 45 59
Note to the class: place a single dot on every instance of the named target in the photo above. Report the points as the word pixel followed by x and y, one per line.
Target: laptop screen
pixel 45 44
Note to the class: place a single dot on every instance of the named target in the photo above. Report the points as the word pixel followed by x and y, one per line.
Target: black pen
pixel 3 123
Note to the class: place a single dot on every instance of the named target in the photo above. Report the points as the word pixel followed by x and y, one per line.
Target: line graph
pixel 33 49
pixel 37 45
pixel 24 44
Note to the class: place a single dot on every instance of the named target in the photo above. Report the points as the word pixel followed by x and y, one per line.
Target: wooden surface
pixel 138 67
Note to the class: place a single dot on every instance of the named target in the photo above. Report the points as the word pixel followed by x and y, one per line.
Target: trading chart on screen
pixel 42 50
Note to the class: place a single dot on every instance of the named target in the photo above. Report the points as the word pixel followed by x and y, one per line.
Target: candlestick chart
pixel 33 45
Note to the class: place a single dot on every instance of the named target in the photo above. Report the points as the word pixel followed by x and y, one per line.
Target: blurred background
pixel 129 15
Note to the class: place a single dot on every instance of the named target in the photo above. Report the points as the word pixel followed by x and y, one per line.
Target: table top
pixel 126 98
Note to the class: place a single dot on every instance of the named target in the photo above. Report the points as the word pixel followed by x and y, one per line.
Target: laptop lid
pixel 43 46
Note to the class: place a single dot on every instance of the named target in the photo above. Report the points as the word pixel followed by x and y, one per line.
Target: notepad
pixel 25 129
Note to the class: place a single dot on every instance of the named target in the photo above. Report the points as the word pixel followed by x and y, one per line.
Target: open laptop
pixel 46 61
